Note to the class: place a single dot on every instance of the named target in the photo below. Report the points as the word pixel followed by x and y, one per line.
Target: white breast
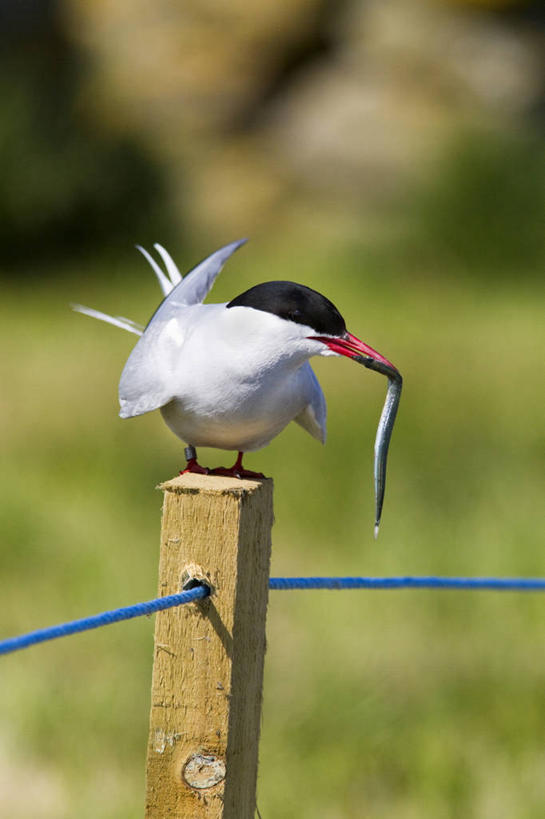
pixel 236 387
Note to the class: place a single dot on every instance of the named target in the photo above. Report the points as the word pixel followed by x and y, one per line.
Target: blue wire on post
pixel 104 619
pixel 278 584
pixel 470 583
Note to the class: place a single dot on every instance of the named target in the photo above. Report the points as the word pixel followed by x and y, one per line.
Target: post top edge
pixel 191 483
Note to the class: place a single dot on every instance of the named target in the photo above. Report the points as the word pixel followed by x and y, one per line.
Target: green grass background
pixel 398 704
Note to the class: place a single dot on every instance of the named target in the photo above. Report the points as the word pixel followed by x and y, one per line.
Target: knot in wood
pixel 203 771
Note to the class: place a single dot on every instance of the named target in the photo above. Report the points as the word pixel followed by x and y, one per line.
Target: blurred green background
pixel 392 157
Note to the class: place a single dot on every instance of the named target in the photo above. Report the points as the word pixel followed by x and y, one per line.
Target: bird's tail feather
pixel 166 283
pixel 117 321
pixel 195 288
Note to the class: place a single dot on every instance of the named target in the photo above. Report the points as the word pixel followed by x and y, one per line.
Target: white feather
pixel 193 288
pixel 172 269
pixel 196 284
pixel 118 321
pixel 165 284
pixel 313 418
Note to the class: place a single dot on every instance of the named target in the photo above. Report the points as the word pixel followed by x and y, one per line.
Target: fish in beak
pixel 351 347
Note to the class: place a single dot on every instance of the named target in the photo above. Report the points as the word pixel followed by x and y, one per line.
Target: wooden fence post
pixel 208 663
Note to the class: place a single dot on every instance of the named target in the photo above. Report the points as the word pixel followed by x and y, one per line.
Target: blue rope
pixel 475 583
pixel 275 583
pixel 104 619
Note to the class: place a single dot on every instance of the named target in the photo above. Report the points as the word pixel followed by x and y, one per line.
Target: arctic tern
pixel 233 375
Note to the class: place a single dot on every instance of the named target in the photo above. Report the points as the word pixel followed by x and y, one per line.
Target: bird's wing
pixel 195 285
pixel 151 376
pixel 118 321
pixel 191 290
pixel 147 379
pixel 313 417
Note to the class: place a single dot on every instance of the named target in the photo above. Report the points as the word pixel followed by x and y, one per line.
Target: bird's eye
pixel 295 315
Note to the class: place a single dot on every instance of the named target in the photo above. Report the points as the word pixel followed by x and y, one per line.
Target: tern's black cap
pixel 294 302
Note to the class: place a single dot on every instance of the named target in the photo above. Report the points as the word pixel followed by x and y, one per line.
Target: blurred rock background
pixel 334 118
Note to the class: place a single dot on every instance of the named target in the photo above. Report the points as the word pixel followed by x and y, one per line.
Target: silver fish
pixel 385 428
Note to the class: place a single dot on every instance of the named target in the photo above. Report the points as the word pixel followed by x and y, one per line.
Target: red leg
pixel 237 470
pixel 192 465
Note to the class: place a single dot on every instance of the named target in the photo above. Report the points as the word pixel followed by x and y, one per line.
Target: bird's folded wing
pixel 313 417
pixel 147 380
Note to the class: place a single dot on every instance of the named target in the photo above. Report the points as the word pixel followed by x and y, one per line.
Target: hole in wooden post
pixel 192 583
pixel 193 576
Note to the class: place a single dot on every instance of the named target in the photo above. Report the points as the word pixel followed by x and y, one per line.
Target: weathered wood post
pixel 208 663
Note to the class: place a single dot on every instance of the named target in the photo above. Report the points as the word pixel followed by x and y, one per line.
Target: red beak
pixel 352 347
